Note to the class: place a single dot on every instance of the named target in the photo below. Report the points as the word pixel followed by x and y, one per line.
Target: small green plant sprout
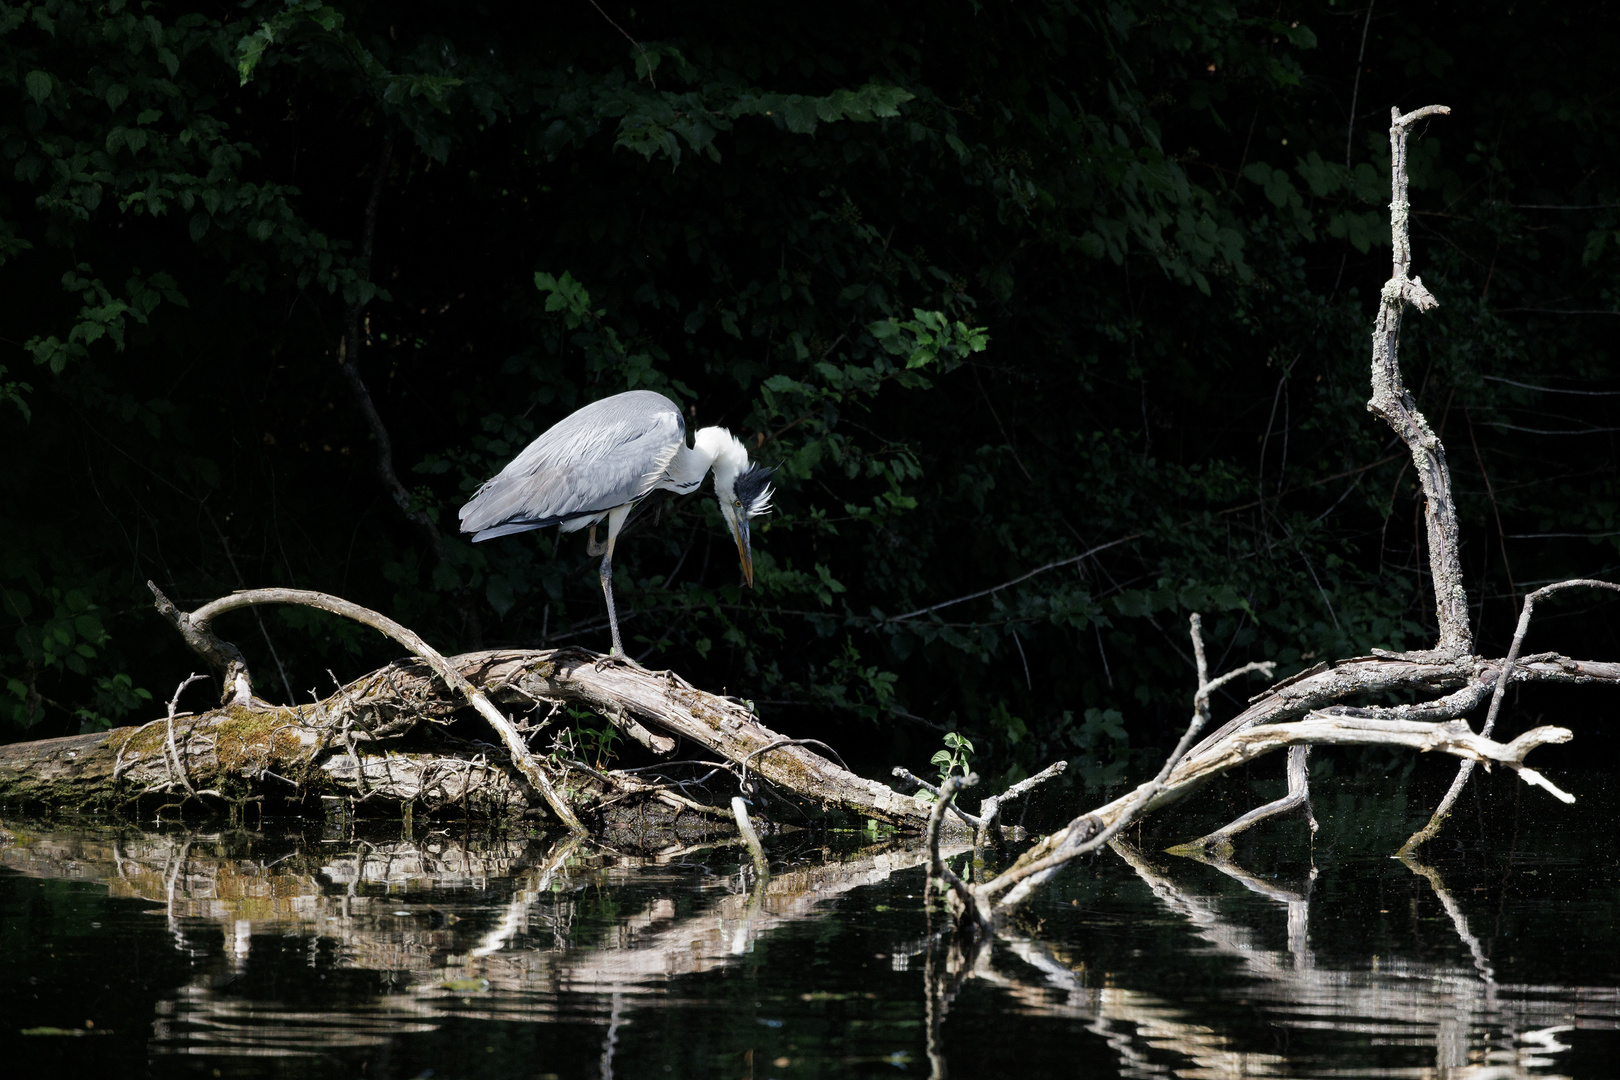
pixel 599 743
pixel 595 745
pixel 954 758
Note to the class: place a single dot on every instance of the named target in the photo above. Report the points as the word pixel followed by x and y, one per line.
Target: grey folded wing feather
pixel 610 453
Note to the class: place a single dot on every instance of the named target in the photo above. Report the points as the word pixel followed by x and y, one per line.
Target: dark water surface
pixel 282 952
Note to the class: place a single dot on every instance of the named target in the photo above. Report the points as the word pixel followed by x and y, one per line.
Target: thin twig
pixel 173 761
pixel 1020 578
pixel 645 61
pixel 1355 87
pixel 1027 784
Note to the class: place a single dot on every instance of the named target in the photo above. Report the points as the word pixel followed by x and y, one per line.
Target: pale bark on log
pixel 260 742
pixel 664 700
pixel 203 617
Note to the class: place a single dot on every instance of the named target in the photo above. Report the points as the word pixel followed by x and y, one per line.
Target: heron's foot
pixel 591 546
pixel 616 656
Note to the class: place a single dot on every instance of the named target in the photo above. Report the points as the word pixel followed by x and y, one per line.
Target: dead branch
pixel 756 850
pixel 1430 830
pixel 264 742
pixel 1299 795
pixel 224 657
pixel 1452 737
pixel 1091 831
pixel 173 761
pixel 985 833
pixel 972 914
pixel 202 618
pixel 718 724
pixel 1392 401
pixel 900 772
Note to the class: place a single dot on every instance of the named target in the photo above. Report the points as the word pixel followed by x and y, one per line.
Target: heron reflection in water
pixel 600 461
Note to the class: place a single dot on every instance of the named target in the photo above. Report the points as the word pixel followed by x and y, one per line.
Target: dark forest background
pixel 1054 315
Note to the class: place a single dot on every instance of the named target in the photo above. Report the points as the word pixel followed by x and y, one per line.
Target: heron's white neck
pixel 712 448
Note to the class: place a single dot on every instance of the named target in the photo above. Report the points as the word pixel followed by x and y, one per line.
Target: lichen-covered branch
pixel 203 617
pixel 1505 675
pixel 1392 401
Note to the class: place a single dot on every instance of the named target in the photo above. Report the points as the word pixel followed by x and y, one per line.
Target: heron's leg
pixel 615 522
pixel 607 591
pixel 591 546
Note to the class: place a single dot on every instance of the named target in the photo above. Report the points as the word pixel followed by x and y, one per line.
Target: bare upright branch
pixel 756 850
pixel 1392 401
pixel 973 912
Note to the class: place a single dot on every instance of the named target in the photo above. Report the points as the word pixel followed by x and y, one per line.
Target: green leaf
pixel 250 50
pixel 38 84
pixel 800 114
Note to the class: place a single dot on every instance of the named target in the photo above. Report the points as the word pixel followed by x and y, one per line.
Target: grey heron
pixel 600 461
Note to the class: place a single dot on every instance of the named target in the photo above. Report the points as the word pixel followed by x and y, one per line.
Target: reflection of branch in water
pixel 1299 903
pixel 1398 1003
pixel 947 968
pixel 933 984
pixel 1202 912
pixel 173 867
pixel 615 1018
pixel 1458 919
pixel 515 919
pixel 505 964
pixel 1452 1006
pixel 520 972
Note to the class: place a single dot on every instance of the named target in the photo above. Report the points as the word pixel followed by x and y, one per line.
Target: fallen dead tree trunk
pixel 352 743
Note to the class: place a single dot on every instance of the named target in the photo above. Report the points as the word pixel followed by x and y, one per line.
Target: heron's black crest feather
pixel 753 488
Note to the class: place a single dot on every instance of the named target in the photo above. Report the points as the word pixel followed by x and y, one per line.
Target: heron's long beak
pixel 739 533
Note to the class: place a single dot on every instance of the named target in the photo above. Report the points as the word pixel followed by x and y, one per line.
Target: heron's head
pixel 744 491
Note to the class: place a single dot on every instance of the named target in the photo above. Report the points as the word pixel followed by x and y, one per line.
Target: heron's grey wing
pixel 605 455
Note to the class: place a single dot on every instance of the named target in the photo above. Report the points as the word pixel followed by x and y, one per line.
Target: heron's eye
pixel 736 502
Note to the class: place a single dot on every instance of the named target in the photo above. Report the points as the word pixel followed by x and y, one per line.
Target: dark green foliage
pixel 993 285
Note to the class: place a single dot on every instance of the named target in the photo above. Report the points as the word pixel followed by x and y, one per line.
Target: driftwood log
pixel 353 744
